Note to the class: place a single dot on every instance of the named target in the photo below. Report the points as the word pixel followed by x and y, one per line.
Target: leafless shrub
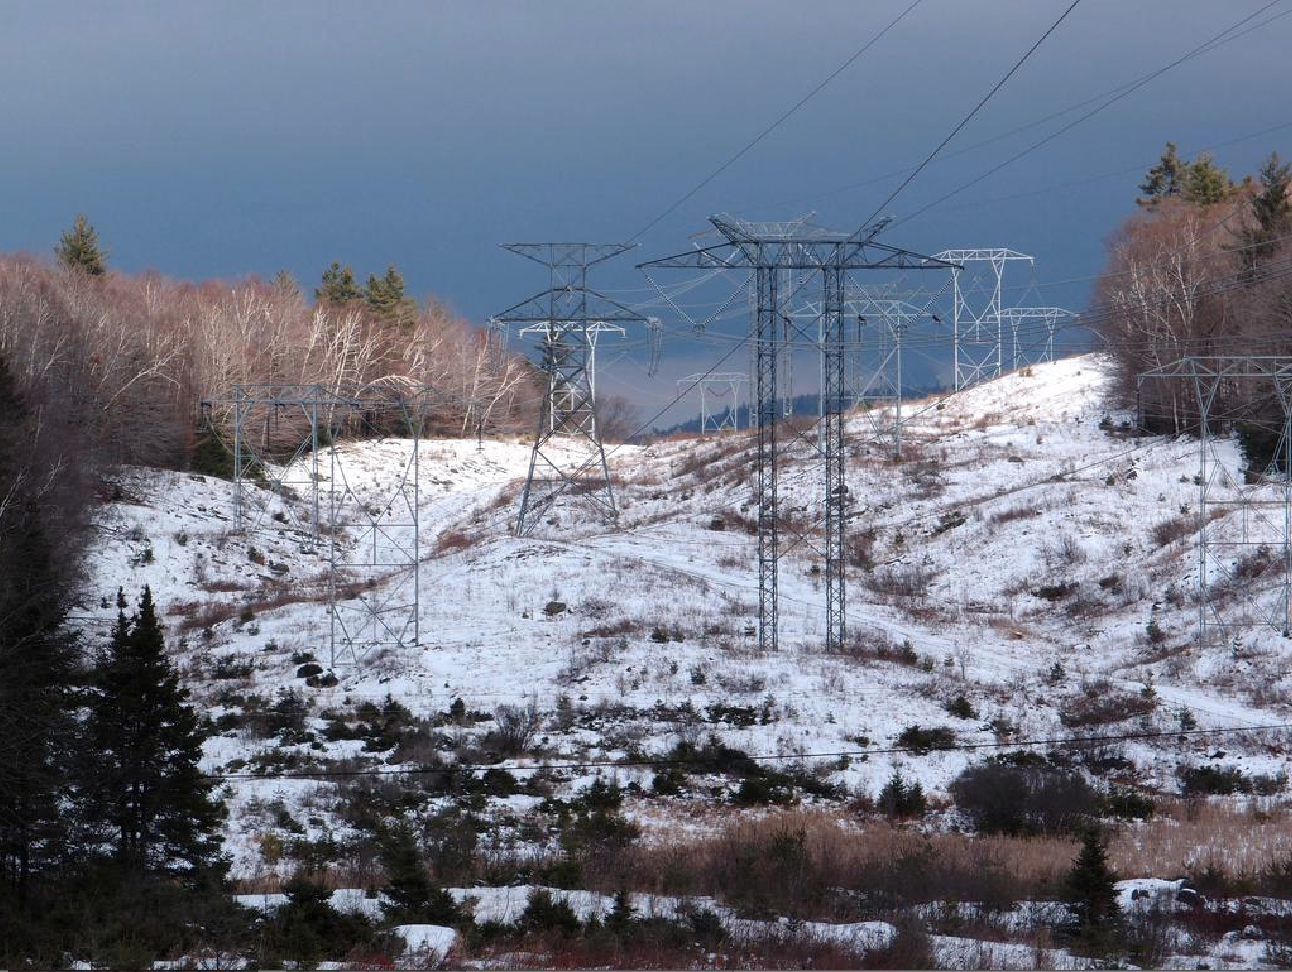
pixel 1173 529
pixel 910 580
pixel 451 541
pixel 514 728
pixel 1063 552
pixel 1102 703
pixel 1002 517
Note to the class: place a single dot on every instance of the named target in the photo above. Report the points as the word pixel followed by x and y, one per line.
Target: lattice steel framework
pixel 773 251
pixel 568 458
pixel 1244 516
pixel 368 524
pixel 1037 345
pixel 976 319
pixel 724 385
pixel 875 346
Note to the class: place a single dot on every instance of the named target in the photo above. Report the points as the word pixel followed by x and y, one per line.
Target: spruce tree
pixel 410 893
pixel 79 249
pixel 37 666
pixel 1271 210
pixel 385 295
pixel 151 798
pixel 338 285
pixel 1089 889
pixel 1164 179
pixel 286 284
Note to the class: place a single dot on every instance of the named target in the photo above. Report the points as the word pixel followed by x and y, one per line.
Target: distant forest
pixel 1201 268
pixel 808 405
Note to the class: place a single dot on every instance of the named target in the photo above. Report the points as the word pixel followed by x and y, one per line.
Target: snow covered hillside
pixel 1026 571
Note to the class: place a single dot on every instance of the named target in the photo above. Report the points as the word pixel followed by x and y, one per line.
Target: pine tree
pixel 37 666
pixel 385 295
pixel 150 795
pixel 78 248
pixel 1206 183
pixel 286 284
pixel 1271 211
pixel 338 285
pixel 1164 179
pixel 1089 888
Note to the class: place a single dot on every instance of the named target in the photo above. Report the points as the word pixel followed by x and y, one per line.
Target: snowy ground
pixel 1015 551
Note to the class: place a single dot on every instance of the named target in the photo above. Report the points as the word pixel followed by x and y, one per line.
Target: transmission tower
pixel 1037 345
pixel 724 385
pixel 771 251
pixel 1244 516
pixel 568 455
pixel 367 523
pixel 877 327
pixel 976 312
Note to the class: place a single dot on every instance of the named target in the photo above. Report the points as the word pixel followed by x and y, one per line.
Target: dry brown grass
pixel 846 853
pixel 1189 836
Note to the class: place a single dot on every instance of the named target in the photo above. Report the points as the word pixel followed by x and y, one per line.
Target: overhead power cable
pixel 1228 38
pixel 969 117
pixel 778 122
pixel 1087 115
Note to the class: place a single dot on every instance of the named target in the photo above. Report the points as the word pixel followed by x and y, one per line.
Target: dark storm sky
pixel 221 139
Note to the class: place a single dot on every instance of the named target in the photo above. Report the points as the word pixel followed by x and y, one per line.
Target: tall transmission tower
pixel 1244 516
pixel 976 313
pixel 1037 345
pixel 877 327
pixel 723 385
pixel 367 526
pixel 568 456
pixel 882 324
pixel 772 251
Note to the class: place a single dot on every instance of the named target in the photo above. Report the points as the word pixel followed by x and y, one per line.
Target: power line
pixel 778 122
pixel 969 117
pixel 1207 49
pixel 1090 114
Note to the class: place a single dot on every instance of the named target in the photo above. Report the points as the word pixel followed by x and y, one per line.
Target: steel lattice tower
pixel 568 455
pixel 1033 351
pixel 977 324
pixel 371 528
pixel 1244 516
pixel 772 251
pixel 723 383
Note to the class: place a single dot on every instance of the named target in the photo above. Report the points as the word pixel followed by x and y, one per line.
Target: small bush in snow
pixel 921 740
pixel 516 726
pixel 899 800
pixel 1102 703
pixel 961 708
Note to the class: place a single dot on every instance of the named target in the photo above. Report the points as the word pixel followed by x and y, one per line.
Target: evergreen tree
pixel 211 457
pixel 1271 211
pixel 385 295
pixel 1205 182
pixel 78 248
pixel 411 894
pixel 899 799
pixel 1089 888
pixel 37 665
pixel 150 795
pixel 338 285
pixel 1164 179
pixel 622 916
pixel 286 284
